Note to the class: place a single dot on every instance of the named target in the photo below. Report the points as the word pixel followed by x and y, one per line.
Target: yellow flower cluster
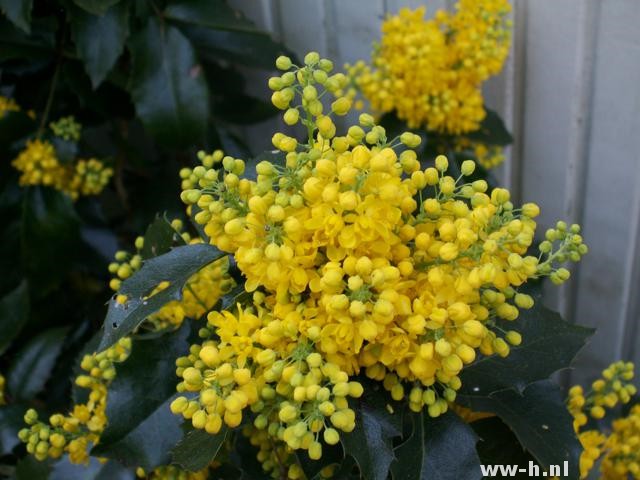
pixel 489 156
pixel 8 105
pixel 430 72
pixel 39 165
pixel 620 449
pixel 2 383
pixel 77 432
pixel 360 260
pixel 201 293
pixel 66 128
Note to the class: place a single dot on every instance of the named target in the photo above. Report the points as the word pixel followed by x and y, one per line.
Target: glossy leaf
pixel 13 126
pixel 539 419
pixel 19 12
pixel 176 267
pixel 97 7
pixel 243 109
pixel 11 422
pixel 549 344
pixel 210 14
pixel 167 85
pixel 33 364
pixel 100 39
pixel 371 442
pixel 141 429
pixel 442 448
pixel 197 449
pixel 14 313
pixel 159 238
pixel 28 468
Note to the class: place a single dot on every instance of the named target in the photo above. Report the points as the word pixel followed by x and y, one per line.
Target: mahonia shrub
pixel 333 310
pixel 429 73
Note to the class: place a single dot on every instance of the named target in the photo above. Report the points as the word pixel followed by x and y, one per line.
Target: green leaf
pixel 33 364
pixel 14 313
pixel 50 236
pixel 211 14
pixel 15 44
pixel 499 446
pixel 197 449
pixel 371 442
pixel 167 85
pixel 243 109
pixel 100 39
pixel 19 12
pixel 14 126
pixel 548 344
pixel 94 470
pixel 97 7
pixel 251 49
pixel 11 422
pixel 442 448
pixel 539 419
pixel 492 131
pixel 141 429
pixel 66 150
pixel 159 238
pixel 28 468
pixel 176 267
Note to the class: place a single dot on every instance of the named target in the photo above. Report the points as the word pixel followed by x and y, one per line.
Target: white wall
pixel 571 94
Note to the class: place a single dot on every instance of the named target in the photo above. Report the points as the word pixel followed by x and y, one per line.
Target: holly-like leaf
pixel 539 419
pixel 371 442
pixel 442 448
pixel 492 131
pixel 197 449
pixel 176 267
pixel 205 13
pixel 499 446
pixel 19 12
pixel 243 109
pixel 28 468
pixel 14 313
pixel 100 39
pixel 549 344
pixel 33 364
pixel 159 238
pixel 10 424
pixel 141 429
pixel 97 7
pixel 168 86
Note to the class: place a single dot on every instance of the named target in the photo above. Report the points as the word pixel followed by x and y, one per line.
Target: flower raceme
pixel 360 261
pixel 431 71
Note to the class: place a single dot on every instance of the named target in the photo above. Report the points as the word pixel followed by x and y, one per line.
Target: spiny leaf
pixel 197 449
pixel 159 238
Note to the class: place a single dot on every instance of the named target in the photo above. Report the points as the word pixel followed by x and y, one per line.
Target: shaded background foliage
pixel 151 83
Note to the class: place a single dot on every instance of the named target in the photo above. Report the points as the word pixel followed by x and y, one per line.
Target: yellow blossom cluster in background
pixel 38 164
pixel 200 294
pixel 360 261
pixel 8 105
pixel 430 72
pixel 618 446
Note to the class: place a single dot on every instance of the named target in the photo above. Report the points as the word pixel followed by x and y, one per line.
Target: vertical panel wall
pixel 570 92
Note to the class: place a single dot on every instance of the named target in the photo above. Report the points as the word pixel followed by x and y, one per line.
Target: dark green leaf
pixel 205 13
pixel 95 470
pixel 167 85
pixel 243 109
pixel 499 446
pixel 28 468
pixel 14 126
pixel 492 131
pixel 442 448
pixel 50 235
pixel 159 238
pixel 33 364
pixel 100 39
pixel 15 44
pixel 539 419
pixel 331 455
pixel 97 7
pixel 548 344
pixel 257 50
pixel 141 429
pixel 66 150
pixel 14 313
pixel 19 12
pixel 11 422
pixel 197 449
pixel 371 442
pixel 176 267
